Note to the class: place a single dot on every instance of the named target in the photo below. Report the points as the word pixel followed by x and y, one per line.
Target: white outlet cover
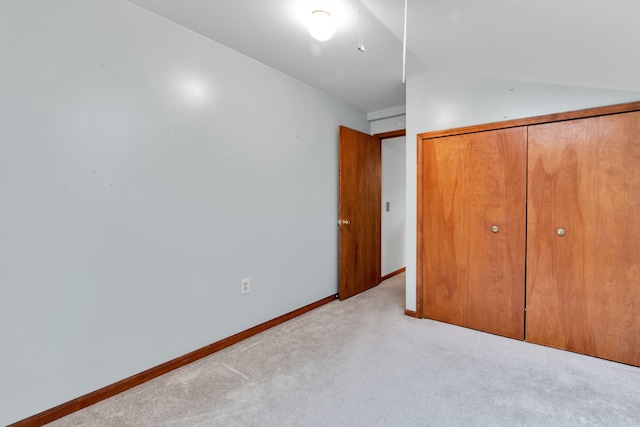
pixel 245 286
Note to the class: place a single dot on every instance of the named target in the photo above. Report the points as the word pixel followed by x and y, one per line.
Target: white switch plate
pixel 245 286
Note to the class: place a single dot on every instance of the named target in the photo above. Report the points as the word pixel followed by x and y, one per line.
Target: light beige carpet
pixel 362 362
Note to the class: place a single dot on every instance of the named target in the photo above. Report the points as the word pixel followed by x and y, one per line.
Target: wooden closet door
pixel 445 229
pixel 497 198
pixel 473 274
pixel 583 287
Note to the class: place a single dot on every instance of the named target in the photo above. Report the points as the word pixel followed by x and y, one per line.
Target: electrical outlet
pixel 245 286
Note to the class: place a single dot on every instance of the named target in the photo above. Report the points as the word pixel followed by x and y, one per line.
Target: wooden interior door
pixel 473 273
pixel 360 192
pixel 583 287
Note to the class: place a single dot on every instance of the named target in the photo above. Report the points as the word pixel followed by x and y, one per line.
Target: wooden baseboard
pixel 135 380
pixel 411 313
pixel 395 273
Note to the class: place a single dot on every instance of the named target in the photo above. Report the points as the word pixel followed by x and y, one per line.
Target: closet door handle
pixel 561 232
pixel 495 229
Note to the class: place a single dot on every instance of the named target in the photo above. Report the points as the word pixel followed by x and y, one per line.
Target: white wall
pixel 393 192
pixel 444 101
pixel 388 124
pixel 144 170
pixel 388 120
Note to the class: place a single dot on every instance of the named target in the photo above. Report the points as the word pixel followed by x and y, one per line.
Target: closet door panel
pixel 445 249
pixel 616 298
pixel 497 198
pixel 563 168
pixel 473 276
pixel 582 286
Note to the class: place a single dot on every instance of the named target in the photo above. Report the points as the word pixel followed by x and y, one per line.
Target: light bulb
pixel 320 25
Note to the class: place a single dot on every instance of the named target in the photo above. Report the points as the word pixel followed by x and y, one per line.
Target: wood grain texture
pixel 562 194
pixel 616 296
pixel 360 192
pixel 135 380
pixel 470 275
pixel 549 118
pixel 590 112
pixel 444 253
pixel 497 196
pixel 583 289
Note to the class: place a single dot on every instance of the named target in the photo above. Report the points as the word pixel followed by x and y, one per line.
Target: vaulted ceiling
pixel 591 43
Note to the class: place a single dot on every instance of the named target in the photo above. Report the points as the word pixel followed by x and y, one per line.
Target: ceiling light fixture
pixel 321 25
